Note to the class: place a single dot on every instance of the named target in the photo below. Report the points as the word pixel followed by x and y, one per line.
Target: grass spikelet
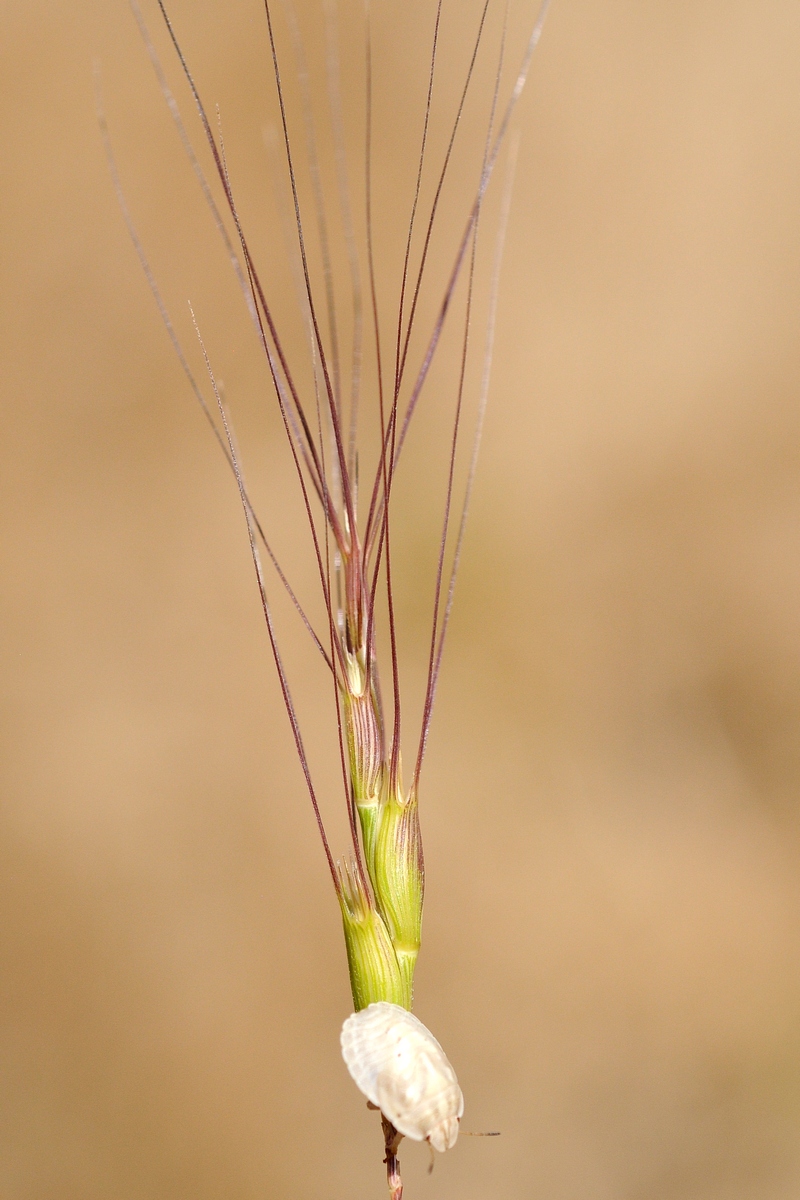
pixel 348 489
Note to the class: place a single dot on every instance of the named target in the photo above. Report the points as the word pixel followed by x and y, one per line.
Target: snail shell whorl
pixel 401 1068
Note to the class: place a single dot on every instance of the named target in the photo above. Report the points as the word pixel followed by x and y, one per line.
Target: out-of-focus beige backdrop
pixel 610 797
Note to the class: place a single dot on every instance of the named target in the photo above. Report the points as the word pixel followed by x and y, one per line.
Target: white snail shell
pixel 401 1068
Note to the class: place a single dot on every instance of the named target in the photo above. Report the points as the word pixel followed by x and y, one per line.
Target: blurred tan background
pixel 610 798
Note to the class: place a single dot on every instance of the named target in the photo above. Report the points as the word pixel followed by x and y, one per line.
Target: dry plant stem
pixel 392 1139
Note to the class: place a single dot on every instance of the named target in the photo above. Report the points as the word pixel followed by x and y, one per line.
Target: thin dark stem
pixel 491 161
pixel 484 395
pixel 194 162
pixel 184 364
pixel 420 164
pixel 309 449
pixel 318 473
pixel 319 202
pixel 284 409
pixel 374 304
pixel 433 658
pixel 375 515
pixel 337 122
pixel 437 195
pixel 284 684
pixel 430 688
pixel 392 1140
pixel 382 469
pixel 394 769
pixel 346 491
